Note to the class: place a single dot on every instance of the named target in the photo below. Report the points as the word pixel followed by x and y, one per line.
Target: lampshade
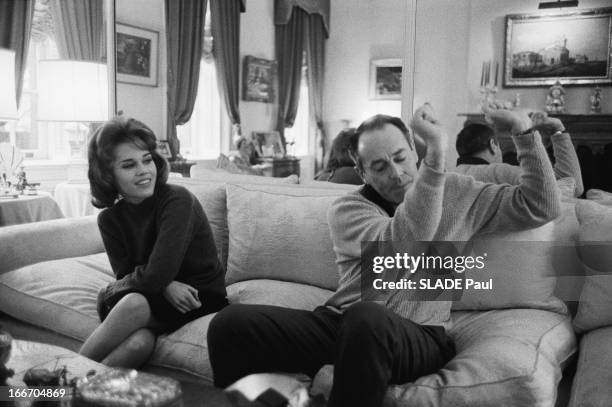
pixel 8 98
pixel 72 91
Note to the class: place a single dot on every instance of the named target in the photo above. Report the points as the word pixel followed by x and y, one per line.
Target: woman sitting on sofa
pixel 340 167
pixel 159 244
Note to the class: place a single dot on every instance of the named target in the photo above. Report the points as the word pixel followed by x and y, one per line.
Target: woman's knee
pixel 142 341
pixel 135 307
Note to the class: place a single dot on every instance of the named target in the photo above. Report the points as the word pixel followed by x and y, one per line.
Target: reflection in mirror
pixel 64 79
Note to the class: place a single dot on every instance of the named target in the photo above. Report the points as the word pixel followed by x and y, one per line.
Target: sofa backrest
pixel 269 229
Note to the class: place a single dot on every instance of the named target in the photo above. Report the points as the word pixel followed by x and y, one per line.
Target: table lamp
pixel 73 92
pixel 8 105
pixel 8 99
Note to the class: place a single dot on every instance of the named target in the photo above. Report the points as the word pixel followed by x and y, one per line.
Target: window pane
pixel 201 136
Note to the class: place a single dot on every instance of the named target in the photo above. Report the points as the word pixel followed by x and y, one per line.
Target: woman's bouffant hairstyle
pixel 339 154
pixel 101 154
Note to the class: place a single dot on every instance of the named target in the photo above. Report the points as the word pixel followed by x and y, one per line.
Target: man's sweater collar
pixel 472 161
pixel 370 194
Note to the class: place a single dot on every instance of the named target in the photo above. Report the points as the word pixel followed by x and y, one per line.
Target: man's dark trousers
pixel 369 346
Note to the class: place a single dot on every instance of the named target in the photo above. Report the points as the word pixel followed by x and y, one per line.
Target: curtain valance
pixel 284 8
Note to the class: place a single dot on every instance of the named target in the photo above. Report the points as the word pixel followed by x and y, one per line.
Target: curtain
pixel 225 25
pixel 315 56
pixel 79 29
pixel 289 49
pixel 283 10
pixel 15 28
pixel 184 37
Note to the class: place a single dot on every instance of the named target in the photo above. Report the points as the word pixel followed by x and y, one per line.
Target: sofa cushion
pixel 211 195
pixel 522 267
pixel 591 386
pixel 59 295
pixel 595 248
pixel 280 234
pixel 504 358
pixel 279 293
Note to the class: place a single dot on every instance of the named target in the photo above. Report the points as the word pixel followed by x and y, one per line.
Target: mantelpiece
pixel 592 130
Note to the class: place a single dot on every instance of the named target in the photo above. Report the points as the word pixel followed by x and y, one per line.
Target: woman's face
pixel 135 172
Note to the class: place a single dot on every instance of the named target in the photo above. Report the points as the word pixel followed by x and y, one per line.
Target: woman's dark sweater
pixel 164 238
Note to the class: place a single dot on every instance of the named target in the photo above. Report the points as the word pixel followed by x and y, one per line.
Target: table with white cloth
pixel 74 199
pixel 28 208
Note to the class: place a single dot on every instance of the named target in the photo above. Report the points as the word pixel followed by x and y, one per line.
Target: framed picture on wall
pixel 258 79
pixel 386 78
pixel 136 51
pixel 268 144
pixel 573 48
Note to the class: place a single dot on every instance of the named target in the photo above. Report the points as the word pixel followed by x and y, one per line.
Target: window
pixel 298 137
pixel 202 136
pixel 42 140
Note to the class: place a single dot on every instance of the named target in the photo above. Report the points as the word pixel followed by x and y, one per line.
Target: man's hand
pixel 546 125
pixel 182 296
pixel 515 121
pixel 425 124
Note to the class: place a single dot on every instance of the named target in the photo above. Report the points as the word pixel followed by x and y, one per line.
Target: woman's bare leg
pixel 134 351
pixel 130 314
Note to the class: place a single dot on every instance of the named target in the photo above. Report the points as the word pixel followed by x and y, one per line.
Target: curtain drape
pixel 184 36
pixel 315 36
pixel 283 10
pixel 79 29
pixel 225 25
pixel 289 50
pixel 15 29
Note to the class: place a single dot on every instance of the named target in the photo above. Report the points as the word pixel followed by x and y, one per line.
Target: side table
pixel 74 199
pixel 281 167
pixel 28 208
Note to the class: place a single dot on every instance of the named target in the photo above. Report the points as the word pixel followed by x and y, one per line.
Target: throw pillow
pixel 280 234
pixel 525 266
pixel 595 249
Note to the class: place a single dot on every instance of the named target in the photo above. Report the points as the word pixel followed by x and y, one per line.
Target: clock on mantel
pixel 592 130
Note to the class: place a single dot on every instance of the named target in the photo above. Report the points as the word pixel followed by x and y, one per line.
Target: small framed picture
pixel 268 144
pixel 136 51
pixel 164 148
pixel 386 78
pixel 258 79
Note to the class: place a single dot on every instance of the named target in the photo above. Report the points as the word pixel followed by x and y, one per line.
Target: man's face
pixel 389 164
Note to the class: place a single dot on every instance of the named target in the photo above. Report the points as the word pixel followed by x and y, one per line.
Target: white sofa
pixel 274 240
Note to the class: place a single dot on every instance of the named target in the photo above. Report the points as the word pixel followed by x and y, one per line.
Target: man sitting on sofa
pixel 480 155
pixel 374 344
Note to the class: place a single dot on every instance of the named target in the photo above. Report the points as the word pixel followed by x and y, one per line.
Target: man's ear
pixel 492 145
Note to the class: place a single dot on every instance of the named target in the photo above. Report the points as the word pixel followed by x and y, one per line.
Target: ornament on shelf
pixel 555 99
pixel 596 100
pixel 517 100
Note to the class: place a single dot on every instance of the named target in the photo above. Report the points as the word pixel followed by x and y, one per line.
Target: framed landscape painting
pixel 136 51
pixel 386 78
pixel 574 48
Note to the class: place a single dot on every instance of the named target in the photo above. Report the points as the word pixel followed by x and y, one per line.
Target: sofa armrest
pixel 29 243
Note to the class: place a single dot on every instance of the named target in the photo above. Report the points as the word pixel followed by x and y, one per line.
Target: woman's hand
pixel 182 296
